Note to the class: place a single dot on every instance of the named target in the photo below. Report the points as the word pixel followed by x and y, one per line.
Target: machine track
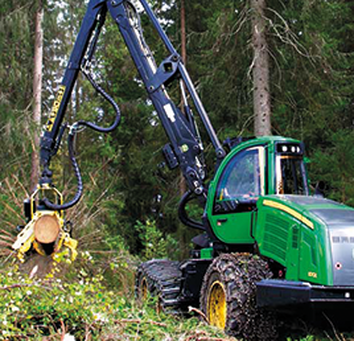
pixel 237 274
pixel 163 279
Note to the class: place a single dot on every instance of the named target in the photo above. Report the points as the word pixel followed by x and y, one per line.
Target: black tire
pixel 162 279
pixel 237 275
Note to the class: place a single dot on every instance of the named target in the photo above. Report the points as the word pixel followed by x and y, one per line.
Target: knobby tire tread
pixel 164 281
pixel 239 274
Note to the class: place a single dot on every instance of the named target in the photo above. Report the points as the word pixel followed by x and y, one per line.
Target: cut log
pixel 46 229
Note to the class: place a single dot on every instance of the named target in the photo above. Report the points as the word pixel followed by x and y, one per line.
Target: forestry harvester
pixel 264 242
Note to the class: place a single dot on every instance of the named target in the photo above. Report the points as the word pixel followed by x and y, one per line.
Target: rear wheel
pixel 228 297
pixel 161 278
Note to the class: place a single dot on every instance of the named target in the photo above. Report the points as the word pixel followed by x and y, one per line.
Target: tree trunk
pixel 183 32
pixel 182 184
pixel 37 92
pixel 261 94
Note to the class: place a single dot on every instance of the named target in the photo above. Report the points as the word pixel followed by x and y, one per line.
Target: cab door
pixel 236 192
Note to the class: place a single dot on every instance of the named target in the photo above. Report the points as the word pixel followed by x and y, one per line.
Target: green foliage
pixel 16 63
pixel 84 308
pixel 335 166
pixel 154 245
pixel 38 308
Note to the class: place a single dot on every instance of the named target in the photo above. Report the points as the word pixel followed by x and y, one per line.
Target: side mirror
pixel 320 189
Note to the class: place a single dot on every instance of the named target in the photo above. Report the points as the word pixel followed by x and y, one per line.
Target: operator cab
pixel 255 168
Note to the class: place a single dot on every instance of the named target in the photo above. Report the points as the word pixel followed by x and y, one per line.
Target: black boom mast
pixel 185 148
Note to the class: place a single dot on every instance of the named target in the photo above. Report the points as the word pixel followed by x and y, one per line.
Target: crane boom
pixel 185 147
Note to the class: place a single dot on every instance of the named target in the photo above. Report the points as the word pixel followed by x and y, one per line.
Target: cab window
pixel 291 175
pixel 243 177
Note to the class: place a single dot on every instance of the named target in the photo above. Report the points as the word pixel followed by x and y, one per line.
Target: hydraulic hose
pixel 76 168
pixel 182 214
pixel 71 138
pixel 110 100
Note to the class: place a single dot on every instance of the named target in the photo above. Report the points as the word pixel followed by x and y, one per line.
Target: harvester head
pixel 46 232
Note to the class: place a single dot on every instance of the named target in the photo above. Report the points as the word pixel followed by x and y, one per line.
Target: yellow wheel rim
pixel 144 289
pixel 159 308
pixel 216 308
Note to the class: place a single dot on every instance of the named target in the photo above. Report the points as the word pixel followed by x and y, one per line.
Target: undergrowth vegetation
pixel 76 305
pixel 84 308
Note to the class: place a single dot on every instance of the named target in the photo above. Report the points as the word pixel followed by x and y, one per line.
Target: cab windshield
pixel 291 175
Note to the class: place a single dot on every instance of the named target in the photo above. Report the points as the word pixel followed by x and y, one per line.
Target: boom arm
pixel 185 147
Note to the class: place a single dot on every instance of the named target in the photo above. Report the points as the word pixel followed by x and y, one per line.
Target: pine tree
pixel 37 91
pixel 260 68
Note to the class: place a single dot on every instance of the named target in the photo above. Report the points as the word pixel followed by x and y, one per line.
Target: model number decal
pixel 312 274
pixel 55 108
pixel 343 239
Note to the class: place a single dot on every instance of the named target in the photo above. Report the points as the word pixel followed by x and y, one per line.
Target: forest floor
pixel 75 304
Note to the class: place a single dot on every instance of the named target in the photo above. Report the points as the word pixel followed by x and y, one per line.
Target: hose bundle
pixel 71 139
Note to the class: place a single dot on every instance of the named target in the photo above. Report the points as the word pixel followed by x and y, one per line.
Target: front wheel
pixel 228 297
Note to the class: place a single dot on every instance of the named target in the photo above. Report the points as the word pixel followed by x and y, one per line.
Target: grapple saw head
pixel 46 232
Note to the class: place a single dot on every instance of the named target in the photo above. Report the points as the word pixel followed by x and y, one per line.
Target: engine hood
pixel 340 225
pixel 338 222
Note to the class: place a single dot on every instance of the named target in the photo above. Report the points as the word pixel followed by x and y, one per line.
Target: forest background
pixel 130 200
